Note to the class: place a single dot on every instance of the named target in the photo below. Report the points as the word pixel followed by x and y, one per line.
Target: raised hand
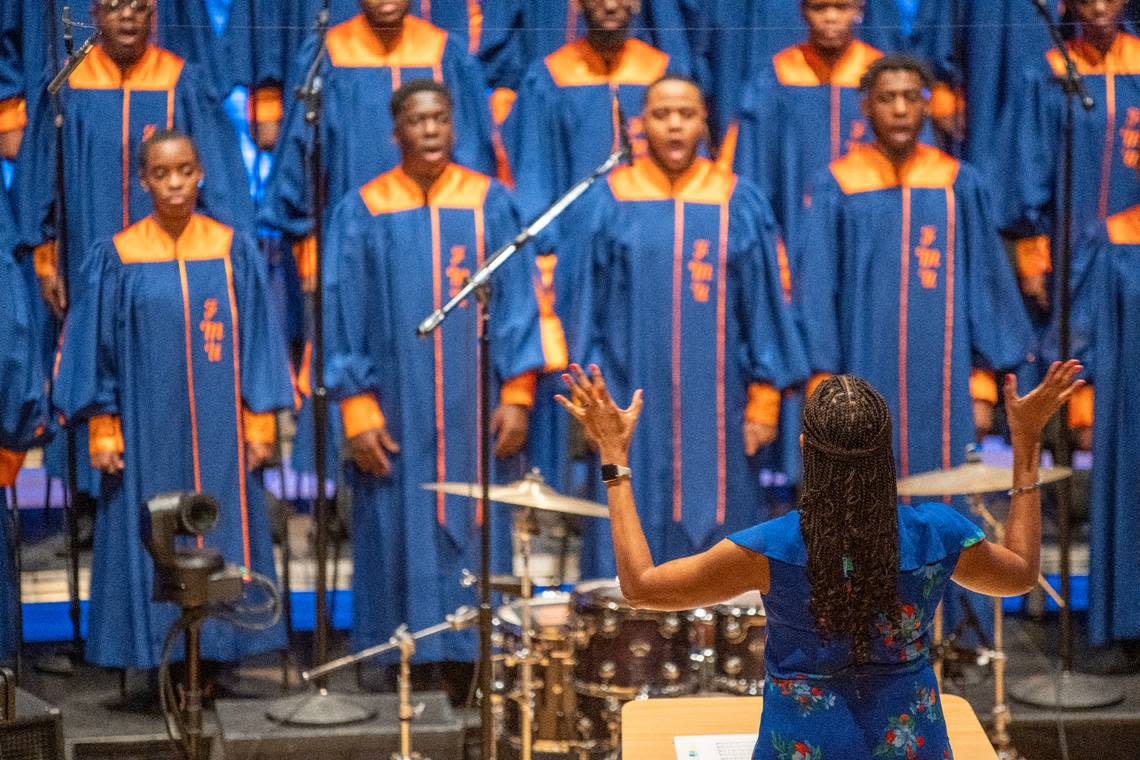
pixel 1029 414
pixel 607 426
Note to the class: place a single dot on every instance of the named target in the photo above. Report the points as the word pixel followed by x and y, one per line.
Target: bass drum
pixel 625 652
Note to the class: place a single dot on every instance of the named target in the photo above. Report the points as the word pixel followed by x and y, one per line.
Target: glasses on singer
pixel 118 6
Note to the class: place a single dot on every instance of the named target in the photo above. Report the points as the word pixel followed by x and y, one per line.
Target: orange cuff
pixel 763 405
pixel 502 101
pixel 1033 256
pixel 13 114
pixel 259 427
pixel 943 101
pixel 45 259
pixel 266 105
pixel 520 390
pixel 815 381
pixel 305 252
pixel 105 434
pixel 983 386
pixel 1081 408
pixel 726 159
pixel 10 464
pixel 361 414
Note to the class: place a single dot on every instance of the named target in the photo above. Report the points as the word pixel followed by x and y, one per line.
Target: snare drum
pixel 555 709
pixel 741 631
pixel 624 652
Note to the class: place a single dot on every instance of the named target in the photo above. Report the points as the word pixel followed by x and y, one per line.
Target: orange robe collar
pixel 354 44
pixel 703 182
pixel 157 69
pixel 1123 57
pixel 147 243
pixel 395 191
pixel 865 169
pixel 802 66
pixel 577 64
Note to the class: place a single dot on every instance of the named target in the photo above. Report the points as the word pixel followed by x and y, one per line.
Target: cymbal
pixel 972 478
pixel 530 492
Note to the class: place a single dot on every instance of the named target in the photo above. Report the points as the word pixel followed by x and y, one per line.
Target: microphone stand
pixel 1068 690
pixel 322 708
pixel 61 664
pixel 479 285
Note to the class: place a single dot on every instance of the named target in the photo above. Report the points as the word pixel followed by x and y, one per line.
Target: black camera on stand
pixel 201 582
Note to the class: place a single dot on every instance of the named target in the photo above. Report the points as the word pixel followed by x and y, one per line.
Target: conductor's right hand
pixel 370 451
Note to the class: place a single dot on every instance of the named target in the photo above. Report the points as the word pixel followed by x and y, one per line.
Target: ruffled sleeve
pixel 929 533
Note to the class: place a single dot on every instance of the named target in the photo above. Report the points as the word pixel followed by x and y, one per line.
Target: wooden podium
pixel 648 727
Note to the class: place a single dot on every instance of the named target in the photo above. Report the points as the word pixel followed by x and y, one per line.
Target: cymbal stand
pixel 525 527
pixel 1000 733
pixel 408 711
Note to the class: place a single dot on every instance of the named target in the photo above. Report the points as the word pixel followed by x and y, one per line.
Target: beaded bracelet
pixel 1024 489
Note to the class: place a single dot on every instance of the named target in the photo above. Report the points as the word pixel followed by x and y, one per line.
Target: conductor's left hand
pixel 609 427
pixel 257 455
pixel 509 426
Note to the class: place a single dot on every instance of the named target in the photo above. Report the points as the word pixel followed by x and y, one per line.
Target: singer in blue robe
pixel 947 305
pixel 797 87
pixel 395 255
pixel 173 354
pixel 1106 301
pixel 687 304
pixel 1105 149
pixel 360 75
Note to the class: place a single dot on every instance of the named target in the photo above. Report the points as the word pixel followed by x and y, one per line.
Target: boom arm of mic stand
pixel 460 619
pixel 1072 80
pixel 482 276
pixel 72 64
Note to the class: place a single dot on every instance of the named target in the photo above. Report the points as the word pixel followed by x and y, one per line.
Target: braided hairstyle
pixel 848 510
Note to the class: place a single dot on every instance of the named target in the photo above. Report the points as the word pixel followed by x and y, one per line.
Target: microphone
pixel 68 36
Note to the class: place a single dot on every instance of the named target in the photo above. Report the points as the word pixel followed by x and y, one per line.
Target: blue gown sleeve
pixel 355 293
pixel 265 379
pixel 200 113
pixel 1000 331
pixel 1028 164
pixel 11 50
pixel 286 206
pixel 471 110
pixel 758 141
pixel 773 347
pixel 86 383
pixel 816 265
pixel 1091 284
pixel 500 49
pixel 515 329
pixel 33 184
pixel 533 137
pixel 22 402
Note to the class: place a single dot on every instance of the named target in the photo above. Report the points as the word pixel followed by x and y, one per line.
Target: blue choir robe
pixel 1106 300
pixel 32 46
pixel 395 254
pixel 359 79
pixel 928 34
pixel 173 353
pixel 562 127
pixel 686 303
pixel 904 281
pixel 737 39
pixel 1105 148
pixel 22 405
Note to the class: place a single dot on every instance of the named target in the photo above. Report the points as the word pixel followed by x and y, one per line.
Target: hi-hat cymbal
pixel 530 492
pixel 972 478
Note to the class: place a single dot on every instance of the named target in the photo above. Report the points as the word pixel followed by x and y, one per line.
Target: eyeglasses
pixel 118 6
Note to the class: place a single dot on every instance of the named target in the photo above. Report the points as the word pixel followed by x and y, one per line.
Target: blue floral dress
pixel 819 704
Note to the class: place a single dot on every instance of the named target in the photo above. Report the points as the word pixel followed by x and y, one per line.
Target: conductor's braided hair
pixel 848 512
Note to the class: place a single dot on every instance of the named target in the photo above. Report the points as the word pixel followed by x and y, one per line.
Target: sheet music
pixel 723 747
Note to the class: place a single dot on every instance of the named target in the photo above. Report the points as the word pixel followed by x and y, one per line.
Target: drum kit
pixel 566 661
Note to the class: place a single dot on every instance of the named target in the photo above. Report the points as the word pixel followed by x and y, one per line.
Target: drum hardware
pixel 531 492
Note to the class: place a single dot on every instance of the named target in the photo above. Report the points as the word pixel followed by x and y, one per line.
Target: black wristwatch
pixel 612 473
